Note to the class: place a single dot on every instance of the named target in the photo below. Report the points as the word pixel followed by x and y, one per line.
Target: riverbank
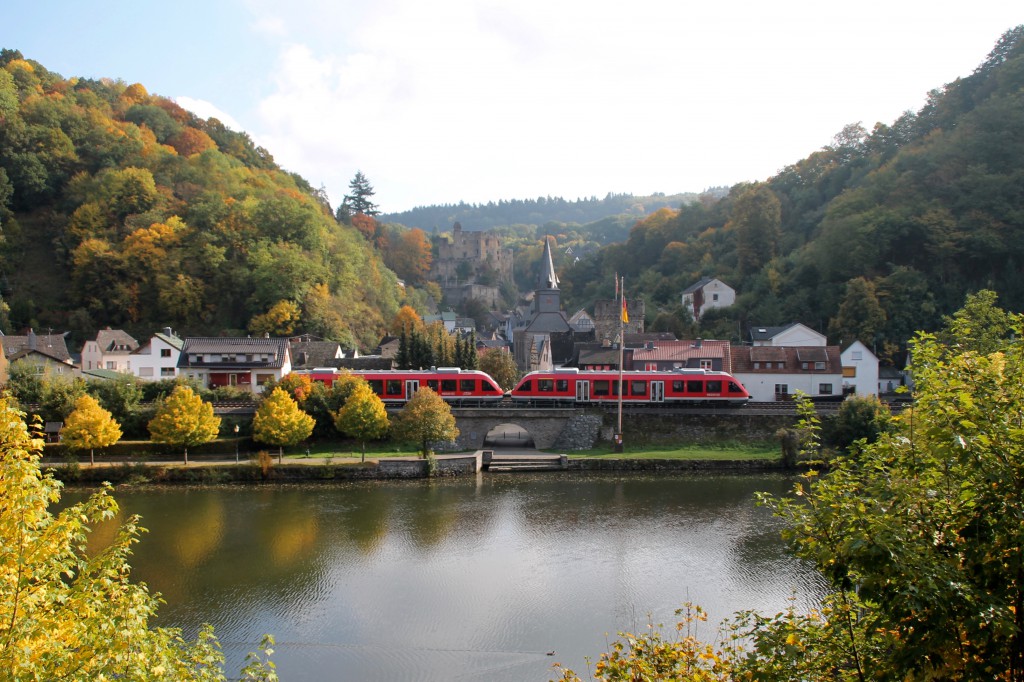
pixel 313 469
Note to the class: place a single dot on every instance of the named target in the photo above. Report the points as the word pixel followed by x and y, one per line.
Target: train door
pixel 657 391
pixel 411 386
pixel 583 391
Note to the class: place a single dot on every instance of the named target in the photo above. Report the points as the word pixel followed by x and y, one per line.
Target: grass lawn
pixel 725 451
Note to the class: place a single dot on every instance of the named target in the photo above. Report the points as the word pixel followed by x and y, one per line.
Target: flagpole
pixel 622 345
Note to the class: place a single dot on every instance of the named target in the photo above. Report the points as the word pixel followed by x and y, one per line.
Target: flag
pixel 625 313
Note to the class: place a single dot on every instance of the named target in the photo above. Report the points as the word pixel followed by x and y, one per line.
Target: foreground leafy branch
pixel 70 614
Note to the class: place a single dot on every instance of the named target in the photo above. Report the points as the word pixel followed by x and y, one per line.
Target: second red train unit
pixel 685 386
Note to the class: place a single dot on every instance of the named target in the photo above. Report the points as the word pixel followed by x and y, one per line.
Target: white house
pixel 706 294
pixel 157 358
pixel 776 373
pixel 112 349
pixel 244 362
pixel 860 370
pixel 794 334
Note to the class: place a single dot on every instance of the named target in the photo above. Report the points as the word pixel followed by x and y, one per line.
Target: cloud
pixel 205 109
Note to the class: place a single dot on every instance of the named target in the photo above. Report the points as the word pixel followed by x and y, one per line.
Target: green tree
pixel 858 418
pixel 500 364
pixel 920 536
pixel 363 416
pixel 860 315
pixel 979 326
pixel 72 614
pixel 121 396
pixel 756 219
pixel 425 419
pixel 184 419
pixel 279 421
pixel 358 201
pixel 89 427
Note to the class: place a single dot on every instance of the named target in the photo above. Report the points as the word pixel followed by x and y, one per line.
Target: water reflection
pixel 472 578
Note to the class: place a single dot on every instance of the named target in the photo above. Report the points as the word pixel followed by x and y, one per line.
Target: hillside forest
pixel 120 208
pixel 876 235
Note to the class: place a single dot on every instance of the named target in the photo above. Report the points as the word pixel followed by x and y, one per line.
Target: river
pixel 475 578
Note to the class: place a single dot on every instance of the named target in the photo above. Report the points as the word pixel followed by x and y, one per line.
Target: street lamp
pixel 236 443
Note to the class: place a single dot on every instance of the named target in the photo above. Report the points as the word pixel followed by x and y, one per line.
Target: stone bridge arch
pixel 569 429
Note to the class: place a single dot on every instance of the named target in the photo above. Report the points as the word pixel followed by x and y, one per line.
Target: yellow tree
pixel 363 416
pixel 425 419
pixel 280 319
pixel 280 422
pixel 500 364
pixel 69 614
pixel 185 419
pixel 405 320
pixel 89 427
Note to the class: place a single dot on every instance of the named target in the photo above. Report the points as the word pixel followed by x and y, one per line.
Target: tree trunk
pixel 186 455
pixel 92 460
pixel 280 454
pixel 364 451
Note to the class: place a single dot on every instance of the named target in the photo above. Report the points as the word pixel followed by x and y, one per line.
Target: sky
pixel 482 100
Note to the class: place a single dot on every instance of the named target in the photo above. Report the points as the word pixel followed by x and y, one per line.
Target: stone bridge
pixel 565 428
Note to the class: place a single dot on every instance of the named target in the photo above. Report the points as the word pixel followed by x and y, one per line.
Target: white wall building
pixel 111 350
pixel 157 358
pixel 706 294
pixel 794 334
pixel 860 370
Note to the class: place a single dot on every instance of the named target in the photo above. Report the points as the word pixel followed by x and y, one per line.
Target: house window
pixel 145 371
pixel 263 378
pixel 805 365
pixel 757 365
pixel 165 352
pixel 111 365
pixel 781 389
pixel 819 365
pixel 849 372
pixel 856 355
pixel 825 389
pixel 714 297
pixel 705 364
pixel 165 371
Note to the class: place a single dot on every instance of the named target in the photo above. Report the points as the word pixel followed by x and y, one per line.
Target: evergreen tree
pixel 359 200
pixel 402 359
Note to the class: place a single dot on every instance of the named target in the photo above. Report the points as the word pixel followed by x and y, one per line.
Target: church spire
pixel 548 278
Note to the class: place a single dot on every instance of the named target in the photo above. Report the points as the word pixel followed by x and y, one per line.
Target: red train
pixel 395 387
pixel 681 386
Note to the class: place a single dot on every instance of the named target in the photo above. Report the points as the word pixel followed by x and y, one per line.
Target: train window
pixel 466 385
pixel 377 386
pixel 562 385
pixel 527 385
pixel 734 387
pixel 394 387
pixel 545 385
pixel 601 387
pixel 714 386
pixel 448 385
pixel 432 385
pixel 694 386
pixel 487 388
pixel 638 388
pixel 677 386
pixel 615 387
